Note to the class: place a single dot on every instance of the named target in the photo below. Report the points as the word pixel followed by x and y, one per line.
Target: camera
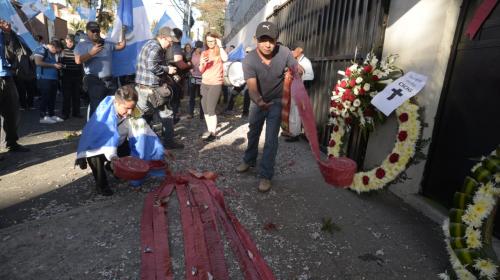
pixel 100 41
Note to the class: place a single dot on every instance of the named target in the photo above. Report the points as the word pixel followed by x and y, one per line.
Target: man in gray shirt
pixel 264 70
pixel 96 56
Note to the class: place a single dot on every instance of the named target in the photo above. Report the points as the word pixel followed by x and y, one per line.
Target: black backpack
pixel 25 68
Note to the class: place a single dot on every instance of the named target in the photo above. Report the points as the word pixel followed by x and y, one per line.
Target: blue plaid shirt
pixel 151 65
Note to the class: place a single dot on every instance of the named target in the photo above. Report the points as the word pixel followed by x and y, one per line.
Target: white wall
pixel 421 32
pixel 245 36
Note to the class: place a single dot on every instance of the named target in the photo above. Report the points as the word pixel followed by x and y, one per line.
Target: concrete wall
pixel 422 33
pixel 247 31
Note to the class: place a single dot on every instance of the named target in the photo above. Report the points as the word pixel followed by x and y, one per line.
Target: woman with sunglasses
pixel 212 79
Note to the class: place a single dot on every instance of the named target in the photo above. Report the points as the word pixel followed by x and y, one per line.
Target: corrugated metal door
pixel 334 31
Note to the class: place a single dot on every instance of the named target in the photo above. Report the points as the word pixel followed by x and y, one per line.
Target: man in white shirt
pixel 307 78
pixel 304 62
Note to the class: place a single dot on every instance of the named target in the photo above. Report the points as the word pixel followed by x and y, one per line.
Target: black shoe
pixel 18 148
pixel 174 145
pixel 77 116
pixel 292 139
pixel 64 117
pixel 210 138
pixel 106 191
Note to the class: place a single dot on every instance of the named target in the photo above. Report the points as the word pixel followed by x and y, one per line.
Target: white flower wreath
pixel 396 162
pixel 466 235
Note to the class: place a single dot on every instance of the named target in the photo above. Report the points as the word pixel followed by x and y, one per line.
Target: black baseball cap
pixel 167 31
pixel 268 29
pixel 92 25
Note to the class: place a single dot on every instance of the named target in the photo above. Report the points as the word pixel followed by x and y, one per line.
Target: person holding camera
pixel 212 79
pixel 71 80
pixel 152 85
pixel 96 55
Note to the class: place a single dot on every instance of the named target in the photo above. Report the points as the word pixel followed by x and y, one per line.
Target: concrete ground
pixel 53 227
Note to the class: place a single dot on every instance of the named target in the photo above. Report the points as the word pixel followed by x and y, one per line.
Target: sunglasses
pixel 94 30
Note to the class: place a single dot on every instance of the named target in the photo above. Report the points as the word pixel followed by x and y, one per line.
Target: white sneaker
pixel 47 120
pixel 56 119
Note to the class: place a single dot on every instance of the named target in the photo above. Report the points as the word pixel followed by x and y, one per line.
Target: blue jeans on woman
pixel 48 91
pixel 256 119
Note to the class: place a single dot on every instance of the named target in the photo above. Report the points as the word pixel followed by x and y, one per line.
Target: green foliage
pixel 77 25
pixel 213 13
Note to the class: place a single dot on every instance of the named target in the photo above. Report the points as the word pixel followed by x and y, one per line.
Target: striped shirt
pixel 68 60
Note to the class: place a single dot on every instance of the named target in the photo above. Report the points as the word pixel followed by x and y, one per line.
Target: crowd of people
pixel 80 68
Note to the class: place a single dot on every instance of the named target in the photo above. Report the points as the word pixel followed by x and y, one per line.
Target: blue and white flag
pixel 37 6
pixel 8 13
pixel 238 54
pixel 86 13
pixel 32 9
pixel 165 20
pixel 100 135
pixel 131 13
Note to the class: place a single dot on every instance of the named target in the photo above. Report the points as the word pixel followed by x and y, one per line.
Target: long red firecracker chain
pixel 212 235
pixel 195 250
pixel 286 102
pixel 155 255
pixel 204 251
pixel 338 172
pixel 254 265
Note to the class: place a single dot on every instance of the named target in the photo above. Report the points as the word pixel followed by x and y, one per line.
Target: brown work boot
pixel 243 167
pixel 264 185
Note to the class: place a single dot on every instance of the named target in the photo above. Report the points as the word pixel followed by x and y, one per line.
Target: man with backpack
pixel 9 99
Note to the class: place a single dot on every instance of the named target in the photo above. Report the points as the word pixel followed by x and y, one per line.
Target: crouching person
pixel 112 132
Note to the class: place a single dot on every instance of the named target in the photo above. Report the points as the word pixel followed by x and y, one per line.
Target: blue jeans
pixel 48 92
pixel 256 120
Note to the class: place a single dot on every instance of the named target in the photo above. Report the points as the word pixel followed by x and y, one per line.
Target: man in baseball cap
pixel 263 70
pixel 266 29
pixel 96 56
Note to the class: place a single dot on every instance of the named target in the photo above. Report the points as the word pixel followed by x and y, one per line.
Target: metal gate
pixel 335 32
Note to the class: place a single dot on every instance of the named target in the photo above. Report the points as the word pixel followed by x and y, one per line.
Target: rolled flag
pixel 165 20
pixel 86 13
pixel 132 14
pixel 8 13
pixel 238 54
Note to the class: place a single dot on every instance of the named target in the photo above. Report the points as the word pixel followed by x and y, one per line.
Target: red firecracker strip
pixel 202 206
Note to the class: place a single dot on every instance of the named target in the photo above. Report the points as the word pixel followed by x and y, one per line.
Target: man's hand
pixel 264 106
pixel 5 26
pixel 172 70
pixel 58 66
pixel 96 49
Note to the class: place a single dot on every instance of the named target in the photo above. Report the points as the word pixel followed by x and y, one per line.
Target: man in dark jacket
pixel 9 98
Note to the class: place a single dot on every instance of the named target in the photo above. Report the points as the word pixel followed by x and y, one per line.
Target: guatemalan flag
pixel 8 13
pixel 100 136
pixel 132 14
pixel 165 20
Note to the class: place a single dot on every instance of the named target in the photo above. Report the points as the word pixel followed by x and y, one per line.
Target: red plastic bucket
pixel 130 168
pixel 339 171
